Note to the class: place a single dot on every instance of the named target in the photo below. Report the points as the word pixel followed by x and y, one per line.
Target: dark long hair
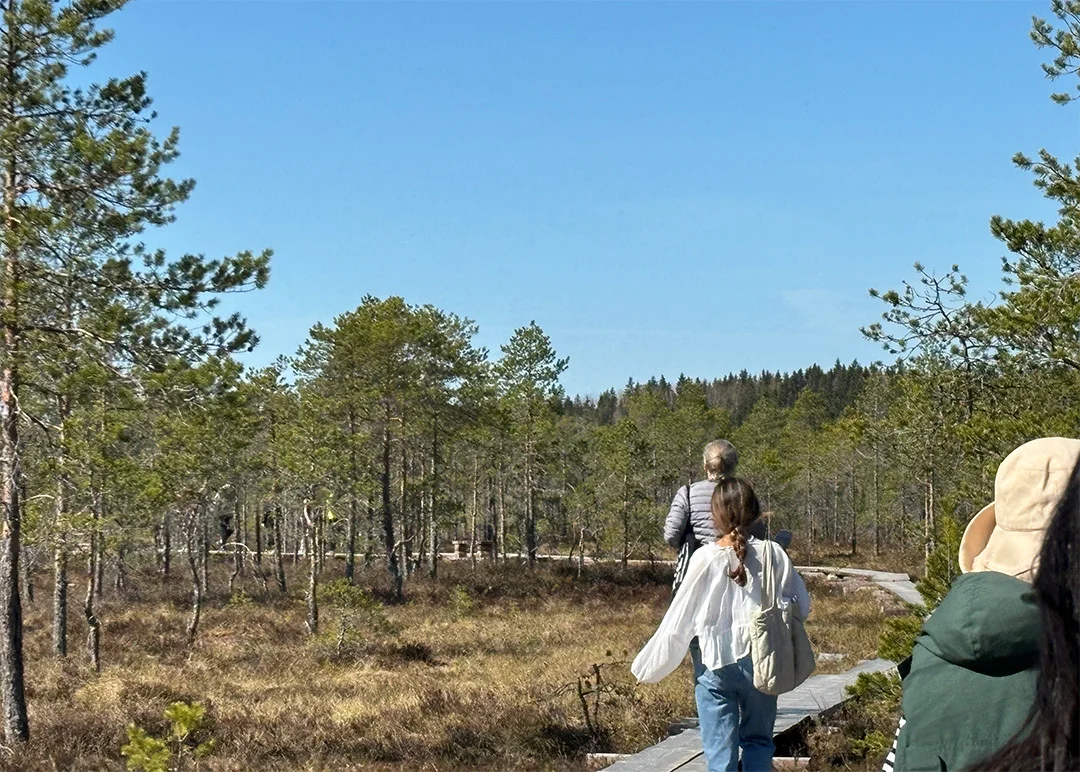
pixel 1050 736
pixel 735 509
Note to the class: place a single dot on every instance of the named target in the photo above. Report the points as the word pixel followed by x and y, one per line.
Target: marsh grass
pixel 477 670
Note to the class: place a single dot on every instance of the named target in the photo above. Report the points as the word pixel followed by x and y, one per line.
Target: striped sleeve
pixel 890 760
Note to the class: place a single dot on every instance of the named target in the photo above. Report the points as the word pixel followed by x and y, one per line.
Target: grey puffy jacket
pixel 699 511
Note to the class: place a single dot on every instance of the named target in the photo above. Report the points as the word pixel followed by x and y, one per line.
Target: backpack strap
pixel 768 581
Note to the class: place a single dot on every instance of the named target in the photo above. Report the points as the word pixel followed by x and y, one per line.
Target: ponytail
pixel 738 539
pixel 735 509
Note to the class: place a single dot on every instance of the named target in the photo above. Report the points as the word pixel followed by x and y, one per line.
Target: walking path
pixel 899 585
pixel 683 751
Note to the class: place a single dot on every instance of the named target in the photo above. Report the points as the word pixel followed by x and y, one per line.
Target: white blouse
pixel 712 607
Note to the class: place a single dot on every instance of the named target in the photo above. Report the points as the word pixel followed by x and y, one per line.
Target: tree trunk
pixel 311 525
pixel 204 549
pixel 93 627
pixel 238 565
pixel 298 536
pixel 406 535
pixel 433 509
pixel 16 726
pixel 354 505
pixel 121 570
pixel 99 562
pixel 388 515
pixel 193 530
pixel 258 536
pixel 877 501
pixel 854 514
pixel 166 544
pixel 500 516
pixel 530 514
pixel 810 513
pixel 422 520
pixel 472 512
pixel 26 576
pixel 836 512
pixel 279 559
pixel 241 510
pixel 581 553
pixel 929 532
pixel 626 524
pixel 60 558
pixel 369 541
pixel 903 520
pixel 60 590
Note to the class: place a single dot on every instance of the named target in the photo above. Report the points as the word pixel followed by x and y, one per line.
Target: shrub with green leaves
pixel 461 603
pixel 239 599
pixel 145 753
pixel 189 738
pixel 359 614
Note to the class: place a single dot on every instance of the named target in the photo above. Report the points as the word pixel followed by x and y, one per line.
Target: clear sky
pixel 664 187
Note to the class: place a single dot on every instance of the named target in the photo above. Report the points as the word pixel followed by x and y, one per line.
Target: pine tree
pixel 81 180
pixel 529 375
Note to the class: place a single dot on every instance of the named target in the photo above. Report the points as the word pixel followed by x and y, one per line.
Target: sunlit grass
pixel 481 672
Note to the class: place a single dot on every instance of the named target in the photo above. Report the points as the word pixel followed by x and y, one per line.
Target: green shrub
pixel 239 599
pixel 189 738
pixel 461 603
pixel 360 615
pixel 145 753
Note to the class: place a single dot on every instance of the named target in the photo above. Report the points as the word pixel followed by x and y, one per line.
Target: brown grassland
pixel 477 670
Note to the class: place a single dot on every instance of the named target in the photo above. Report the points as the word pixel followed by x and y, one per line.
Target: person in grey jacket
pixel 693 504
pixel 720 459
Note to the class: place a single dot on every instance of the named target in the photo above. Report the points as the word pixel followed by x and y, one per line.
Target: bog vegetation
pixel 136 452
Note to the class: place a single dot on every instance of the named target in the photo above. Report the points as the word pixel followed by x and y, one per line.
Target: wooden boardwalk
pixel 683 751
pixel 899 585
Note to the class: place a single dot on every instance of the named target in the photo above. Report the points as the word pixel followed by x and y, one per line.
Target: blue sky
pixel 664 187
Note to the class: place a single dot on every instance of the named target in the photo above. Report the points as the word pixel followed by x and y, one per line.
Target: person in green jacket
pixel 971 679
pixel 1049 740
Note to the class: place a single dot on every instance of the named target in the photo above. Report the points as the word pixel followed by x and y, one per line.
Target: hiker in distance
pixel 970 684
pixel 689 522
pixel 727 584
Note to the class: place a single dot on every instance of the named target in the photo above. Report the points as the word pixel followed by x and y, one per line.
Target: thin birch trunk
pixel 311 525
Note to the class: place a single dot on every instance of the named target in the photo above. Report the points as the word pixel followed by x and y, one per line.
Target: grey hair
pixel 720 458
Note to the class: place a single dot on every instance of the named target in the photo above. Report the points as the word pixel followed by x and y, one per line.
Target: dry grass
pixel 910 562
pixel 847 618
pixel 481 672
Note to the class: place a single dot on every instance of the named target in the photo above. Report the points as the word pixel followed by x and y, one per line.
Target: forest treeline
pixel 132 434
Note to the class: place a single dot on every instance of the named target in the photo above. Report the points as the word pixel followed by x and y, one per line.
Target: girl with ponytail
pixel 715 603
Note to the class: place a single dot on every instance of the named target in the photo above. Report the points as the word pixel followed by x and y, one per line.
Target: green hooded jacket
pixel 972 677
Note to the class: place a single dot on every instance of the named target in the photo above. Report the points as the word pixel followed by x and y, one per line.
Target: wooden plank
pixel 819 693
pixel 668 755
pixel 698 764
pixel 866 573
pixel 905 591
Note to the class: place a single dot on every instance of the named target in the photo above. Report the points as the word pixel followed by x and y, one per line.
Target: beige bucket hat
pixel 1007 534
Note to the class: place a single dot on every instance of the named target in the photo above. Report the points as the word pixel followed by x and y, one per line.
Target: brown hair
pixel 735 509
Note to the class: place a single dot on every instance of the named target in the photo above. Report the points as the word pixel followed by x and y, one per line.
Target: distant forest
pixel 736 394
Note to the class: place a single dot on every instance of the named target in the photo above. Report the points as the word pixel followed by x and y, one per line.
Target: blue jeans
pixel 733 714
